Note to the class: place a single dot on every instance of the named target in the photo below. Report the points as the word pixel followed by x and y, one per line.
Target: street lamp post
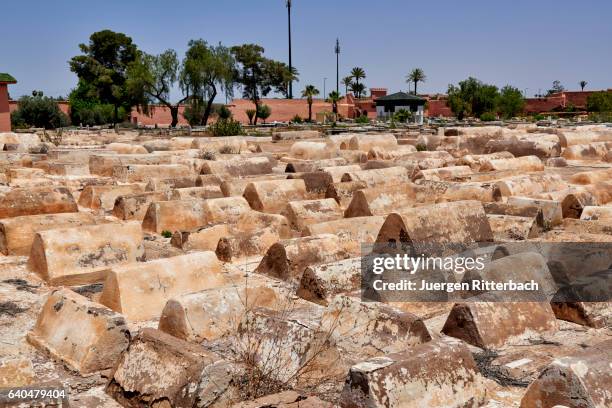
pixel 337 51
pixel 290 66
pixel 324 82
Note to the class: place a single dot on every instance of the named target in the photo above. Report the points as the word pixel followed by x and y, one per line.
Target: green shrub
pixel 538 117
pixel 92 114
pixel 421 147
pixel 488 117
pixel 363 119
pixel 264 112
pixel 600 102
pixel 223 112
pixel 402 115
pixel 39 111
pixel 166 234
pixel 251 115
pixel 297 119
pixel 226 127
pixel 601 117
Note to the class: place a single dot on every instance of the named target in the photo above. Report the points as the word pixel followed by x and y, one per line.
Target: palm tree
pixel 583 84
pixel 415 76
pixel 357 74
pixel 357 89
pixel 308 93
pixel 333 98
pixel 347 82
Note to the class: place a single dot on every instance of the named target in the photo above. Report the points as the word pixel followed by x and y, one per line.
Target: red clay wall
pixel 283 110
pixel 159 115
pixel 5 114
pixel 438 108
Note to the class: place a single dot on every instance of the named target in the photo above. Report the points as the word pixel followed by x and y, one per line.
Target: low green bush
pixel 363 119
pixel 226 127
pixel 488 117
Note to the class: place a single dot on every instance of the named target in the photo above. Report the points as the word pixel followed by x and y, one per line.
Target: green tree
pixel 357 89
pixel 39 111
pixel 583 84
pixel 333 98
pixel 281 70
pixel 206 71
pixel 258 75
pixel 263 112
pixel 194 111
pixel 510 102
pixel 415 76
pixel 102 70
pixel 556 88
pixel 600 102
pixel 472 98
pixel 150 79
pixel 358 74
pixel 347 82
pixel 309 92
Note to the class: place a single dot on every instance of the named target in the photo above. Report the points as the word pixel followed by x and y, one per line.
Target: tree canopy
pixel 150 79
pixel 472 97
pixel 206 71
pixel 258 75
pixel 510 102
pixel 102 69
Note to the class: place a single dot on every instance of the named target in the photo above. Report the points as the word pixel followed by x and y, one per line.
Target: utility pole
pixel 337 51
pixel 290 66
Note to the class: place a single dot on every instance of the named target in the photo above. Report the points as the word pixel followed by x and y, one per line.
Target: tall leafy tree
pixel 358 74
pixel 150 79
pixel 415 76
pixel 102 69
pixel 258 75
pixel 583 84
pixel 510 102
pixel 333 98
pixel 472 98
pixel 206 71
pixel 309 92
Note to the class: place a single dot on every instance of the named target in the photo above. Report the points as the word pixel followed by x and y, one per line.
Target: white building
pixel 390 104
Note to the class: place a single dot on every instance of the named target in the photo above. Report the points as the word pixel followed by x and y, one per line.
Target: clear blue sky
pixel 527 44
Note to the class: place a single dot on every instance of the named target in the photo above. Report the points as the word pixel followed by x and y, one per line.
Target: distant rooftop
pixel 7 78
pixel 400 96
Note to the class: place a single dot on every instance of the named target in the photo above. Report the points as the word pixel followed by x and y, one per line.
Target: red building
pixel 5 111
